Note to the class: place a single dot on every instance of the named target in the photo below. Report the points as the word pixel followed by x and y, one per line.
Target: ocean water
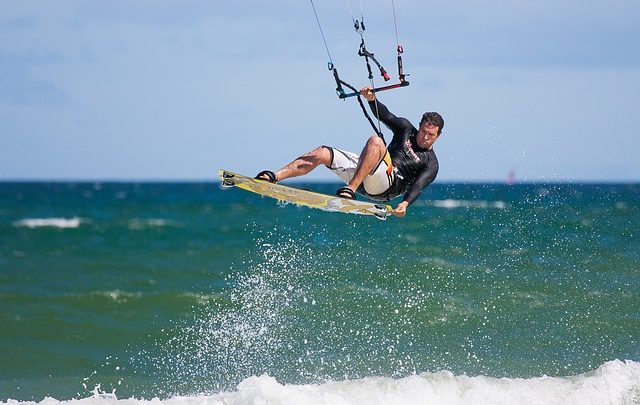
pixel 188 293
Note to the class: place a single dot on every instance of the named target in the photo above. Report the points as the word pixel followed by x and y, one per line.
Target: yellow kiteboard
pixel 303 197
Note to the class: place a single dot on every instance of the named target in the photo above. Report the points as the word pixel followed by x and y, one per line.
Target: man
pixel 381 173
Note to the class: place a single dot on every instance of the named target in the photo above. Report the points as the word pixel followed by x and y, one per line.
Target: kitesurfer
pixel 407 165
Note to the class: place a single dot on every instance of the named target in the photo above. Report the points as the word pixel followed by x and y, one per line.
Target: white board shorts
pixel 344 164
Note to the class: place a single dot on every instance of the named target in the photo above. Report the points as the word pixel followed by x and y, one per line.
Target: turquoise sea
pixel 190 293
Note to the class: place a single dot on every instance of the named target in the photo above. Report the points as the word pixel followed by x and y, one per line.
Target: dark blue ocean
pixel 190 293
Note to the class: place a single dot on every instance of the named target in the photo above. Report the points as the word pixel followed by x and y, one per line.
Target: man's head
pixel 433 118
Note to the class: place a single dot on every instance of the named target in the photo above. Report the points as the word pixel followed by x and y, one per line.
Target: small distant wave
pixel 450 204
pixel 118 295
pixel 49 222
pixel 144 223
pixel 122 297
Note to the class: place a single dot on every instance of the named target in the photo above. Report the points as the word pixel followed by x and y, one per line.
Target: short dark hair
pixel 433 118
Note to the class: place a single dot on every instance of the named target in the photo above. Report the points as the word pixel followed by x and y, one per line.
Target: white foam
pixel 49 222
pixel 451 204
pixel 118 296
pixel 140 223
pixel 614 383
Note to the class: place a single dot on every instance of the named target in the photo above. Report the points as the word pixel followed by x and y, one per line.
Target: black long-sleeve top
pixel 416 167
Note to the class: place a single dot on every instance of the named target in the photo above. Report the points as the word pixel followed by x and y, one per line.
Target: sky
pixel 175 90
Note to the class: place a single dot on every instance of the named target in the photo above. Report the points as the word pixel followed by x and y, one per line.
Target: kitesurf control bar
pixel 342 94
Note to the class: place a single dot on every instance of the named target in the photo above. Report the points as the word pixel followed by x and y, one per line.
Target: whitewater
pixel 615 382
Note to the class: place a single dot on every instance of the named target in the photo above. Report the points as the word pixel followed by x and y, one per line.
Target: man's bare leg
pixel 305 163
pixel 371 155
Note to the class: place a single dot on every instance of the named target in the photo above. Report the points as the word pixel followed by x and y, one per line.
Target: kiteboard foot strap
pixel 267 175
pixel 346 192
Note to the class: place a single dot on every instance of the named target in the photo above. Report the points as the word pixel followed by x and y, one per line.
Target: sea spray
pixel 254 329
pixel 304 314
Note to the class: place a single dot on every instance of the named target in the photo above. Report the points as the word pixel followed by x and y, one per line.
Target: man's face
pixel 428 131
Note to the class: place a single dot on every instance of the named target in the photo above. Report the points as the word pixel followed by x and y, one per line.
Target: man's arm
pixel 381 112
pixel 426 177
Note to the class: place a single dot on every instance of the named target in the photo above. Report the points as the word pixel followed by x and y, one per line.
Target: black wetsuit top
pixel 416 167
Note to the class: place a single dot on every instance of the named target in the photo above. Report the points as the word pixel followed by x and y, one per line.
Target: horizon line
pixel 321 181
